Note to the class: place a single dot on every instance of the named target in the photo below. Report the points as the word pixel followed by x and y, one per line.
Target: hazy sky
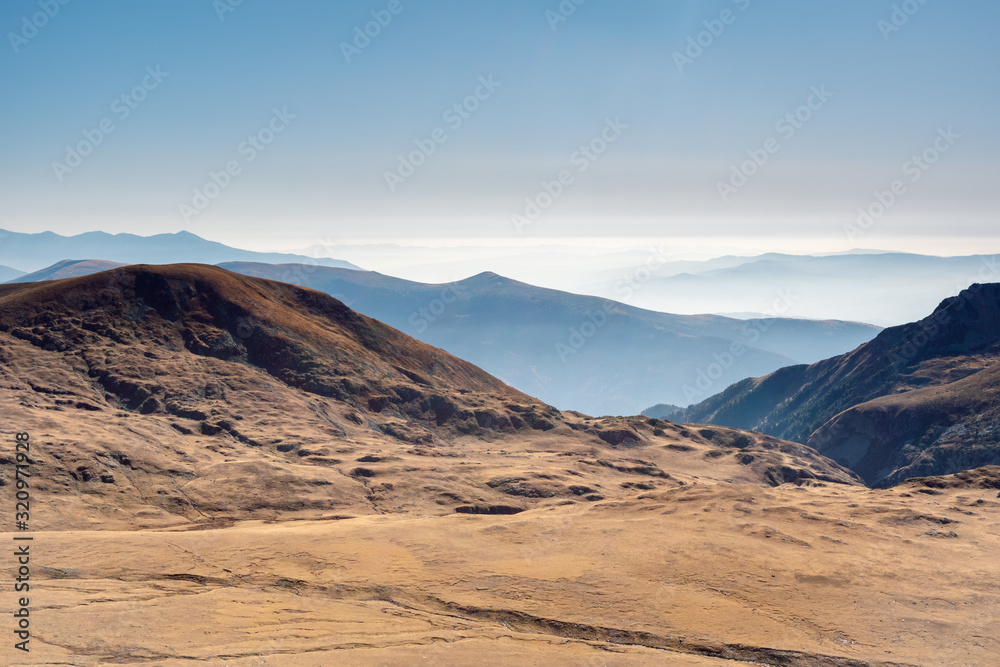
pixel 116 112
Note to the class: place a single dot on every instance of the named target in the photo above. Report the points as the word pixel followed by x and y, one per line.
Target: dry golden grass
pixel 193 504
pixel 783 576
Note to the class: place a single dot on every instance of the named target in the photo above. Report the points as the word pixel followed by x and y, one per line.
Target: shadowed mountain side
pixel 919 399
pixel 578 352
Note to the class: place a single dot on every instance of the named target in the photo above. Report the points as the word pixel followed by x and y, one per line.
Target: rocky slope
pixel 919 399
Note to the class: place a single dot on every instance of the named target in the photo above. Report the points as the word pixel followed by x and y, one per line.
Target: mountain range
pixel 197 391
pixel 574 352
pixel 879 287
pixel 27 253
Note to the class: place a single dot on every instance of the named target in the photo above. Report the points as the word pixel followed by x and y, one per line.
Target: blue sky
pixel 556 85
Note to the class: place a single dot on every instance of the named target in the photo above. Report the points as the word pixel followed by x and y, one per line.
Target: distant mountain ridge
pixel 8 273
pixel 919 399
pixel 69 268
pixel 575 352
pixel 33 252
pixel 880 288
pixel 876 286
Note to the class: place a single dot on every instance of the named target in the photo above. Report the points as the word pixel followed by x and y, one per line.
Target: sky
pixel 266 125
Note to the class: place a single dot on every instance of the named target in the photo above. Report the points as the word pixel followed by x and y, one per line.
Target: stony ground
pixel 696 575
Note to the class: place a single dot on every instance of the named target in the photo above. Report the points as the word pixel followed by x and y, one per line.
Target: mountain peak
pixel 489 278
pixel 962 324
pixel 984 297
pixel 486 275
